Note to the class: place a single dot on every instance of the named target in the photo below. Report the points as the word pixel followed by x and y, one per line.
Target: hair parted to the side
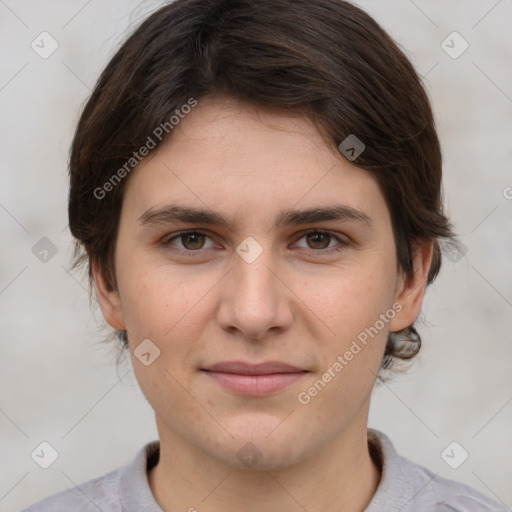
pixel 324 59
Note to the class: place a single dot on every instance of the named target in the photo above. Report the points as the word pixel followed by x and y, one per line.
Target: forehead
pixel 249 163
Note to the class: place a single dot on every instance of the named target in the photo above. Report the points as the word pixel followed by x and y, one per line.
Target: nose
pixel 254 299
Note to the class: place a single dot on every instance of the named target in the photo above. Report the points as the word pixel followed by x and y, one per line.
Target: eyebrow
pixel 175 213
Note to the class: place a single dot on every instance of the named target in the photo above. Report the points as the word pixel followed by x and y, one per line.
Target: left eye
pixel 320 240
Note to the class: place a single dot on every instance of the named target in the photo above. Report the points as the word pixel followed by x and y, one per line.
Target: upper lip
pixel 242 368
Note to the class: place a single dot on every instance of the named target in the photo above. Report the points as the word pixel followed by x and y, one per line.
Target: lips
pixel 242 368
pixel 254 379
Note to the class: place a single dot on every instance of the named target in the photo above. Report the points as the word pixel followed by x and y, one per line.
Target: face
pixel 261 267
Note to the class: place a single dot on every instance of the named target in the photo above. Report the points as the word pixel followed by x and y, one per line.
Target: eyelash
pixel 315 252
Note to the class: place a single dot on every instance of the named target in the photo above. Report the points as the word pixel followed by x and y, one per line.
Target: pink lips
pixel 254 379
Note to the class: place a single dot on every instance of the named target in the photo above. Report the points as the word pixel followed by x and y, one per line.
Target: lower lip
pixel 255 385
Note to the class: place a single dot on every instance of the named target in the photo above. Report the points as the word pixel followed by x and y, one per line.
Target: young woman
pixel 255 187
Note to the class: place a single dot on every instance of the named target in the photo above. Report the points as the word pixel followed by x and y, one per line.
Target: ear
pixel 109 300
pixel 411 290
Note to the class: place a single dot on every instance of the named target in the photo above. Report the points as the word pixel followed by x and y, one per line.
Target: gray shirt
pixel 404 487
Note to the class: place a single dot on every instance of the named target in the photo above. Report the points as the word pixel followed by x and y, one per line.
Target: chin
pixel 261 444
pixel 260 457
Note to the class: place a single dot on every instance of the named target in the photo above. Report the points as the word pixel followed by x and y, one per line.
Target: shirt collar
pixel 134 489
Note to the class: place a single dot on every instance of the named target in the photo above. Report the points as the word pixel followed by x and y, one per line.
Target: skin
pixel 293 304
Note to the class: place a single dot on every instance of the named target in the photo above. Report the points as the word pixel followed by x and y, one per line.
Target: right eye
pixel 191 241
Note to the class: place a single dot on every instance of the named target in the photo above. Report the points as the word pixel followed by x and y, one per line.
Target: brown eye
pixel 192 241
pixel 318 240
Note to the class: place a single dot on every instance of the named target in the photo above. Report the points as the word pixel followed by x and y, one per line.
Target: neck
pixel 340 476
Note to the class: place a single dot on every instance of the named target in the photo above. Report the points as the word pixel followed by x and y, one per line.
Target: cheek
pixel 352 307
pixel 168 312
pixel 168 307
pixel 351 355
pixel 351 301
pixel 153 306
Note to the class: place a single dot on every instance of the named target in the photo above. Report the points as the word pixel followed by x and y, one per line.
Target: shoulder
pixel 98 494
pixel 448 495
pixel 410 487
pixel 123 489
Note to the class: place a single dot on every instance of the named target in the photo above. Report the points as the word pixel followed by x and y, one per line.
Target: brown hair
pixel 325 59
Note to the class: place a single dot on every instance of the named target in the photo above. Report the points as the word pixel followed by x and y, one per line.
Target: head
pixel 295 143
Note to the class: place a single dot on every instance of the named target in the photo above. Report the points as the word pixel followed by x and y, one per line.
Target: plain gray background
pixel 59 384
